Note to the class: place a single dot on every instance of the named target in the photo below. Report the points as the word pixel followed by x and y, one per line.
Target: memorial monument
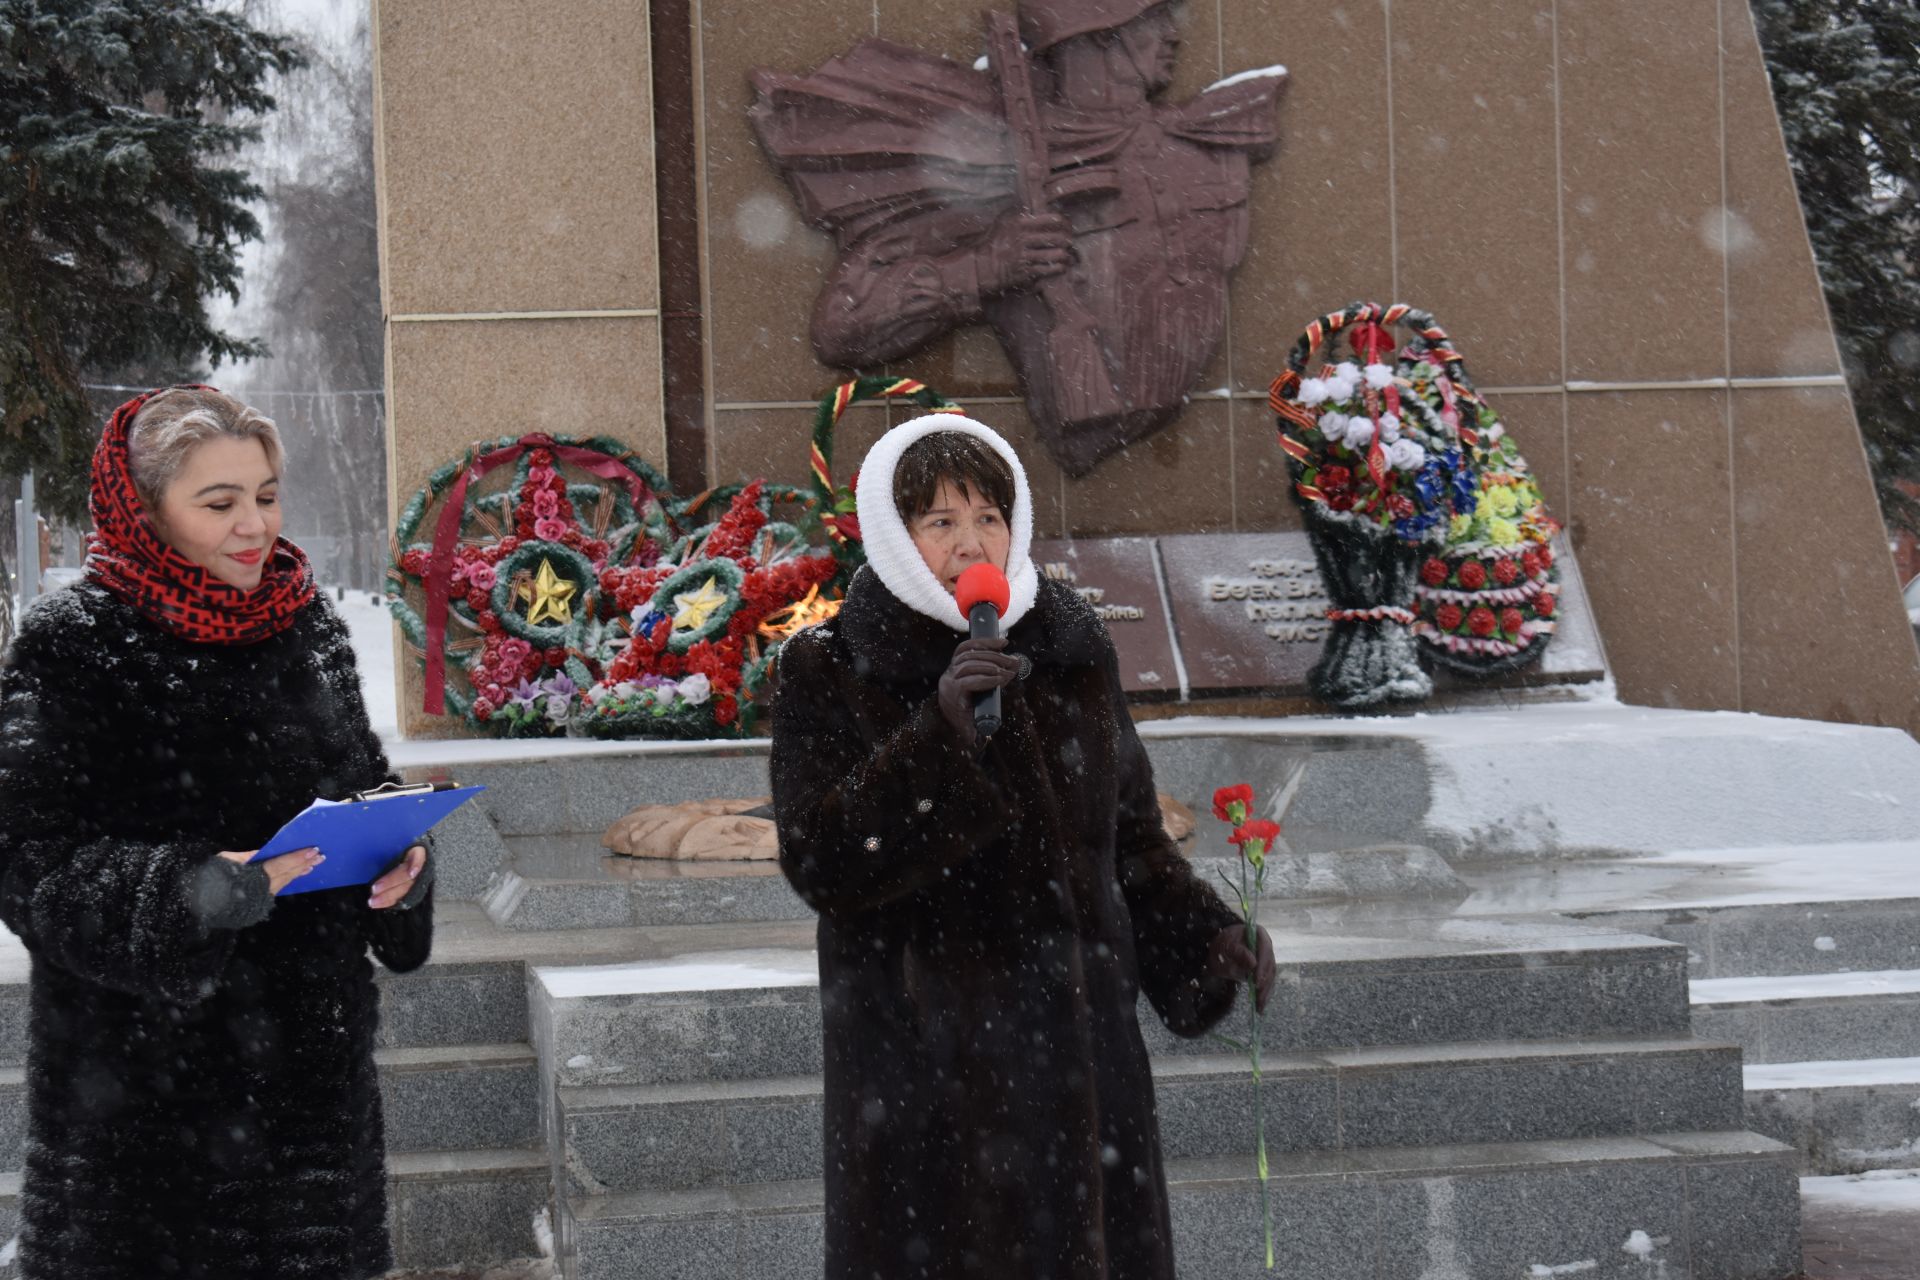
pixel 1459 1033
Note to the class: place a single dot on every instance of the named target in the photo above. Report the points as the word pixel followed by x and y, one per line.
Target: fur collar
pixel 896 645
pixel 890 549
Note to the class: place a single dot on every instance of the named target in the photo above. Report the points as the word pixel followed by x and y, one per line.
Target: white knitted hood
pixel 890 549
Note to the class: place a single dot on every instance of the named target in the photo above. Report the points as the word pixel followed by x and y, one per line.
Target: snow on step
pixel 696 971
pixel 1878 1191
pixel 1860 1073
pixel 1710 992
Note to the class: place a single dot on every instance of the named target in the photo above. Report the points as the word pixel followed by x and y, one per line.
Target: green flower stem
pixel 1250 907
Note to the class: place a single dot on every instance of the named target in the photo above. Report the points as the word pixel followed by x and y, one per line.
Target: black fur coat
pixel 202 1100
pixel 986 926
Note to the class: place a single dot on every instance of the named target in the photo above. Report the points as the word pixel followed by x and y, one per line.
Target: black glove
pixel 1229 959
pixel 421 883
pixel 977 666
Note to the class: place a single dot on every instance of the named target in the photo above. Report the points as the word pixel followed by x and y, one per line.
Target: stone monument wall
pixel 1592 196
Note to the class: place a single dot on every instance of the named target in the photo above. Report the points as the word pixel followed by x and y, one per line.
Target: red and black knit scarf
pixel 127 556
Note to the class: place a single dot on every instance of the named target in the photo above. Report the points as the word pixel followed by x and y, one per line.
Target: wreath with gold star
pixel 565 591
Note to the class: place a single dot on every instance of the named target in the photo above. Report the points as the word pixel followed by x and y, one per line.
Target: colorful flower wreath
pixel 574 603
pixel 1488 601
pixel 1414 451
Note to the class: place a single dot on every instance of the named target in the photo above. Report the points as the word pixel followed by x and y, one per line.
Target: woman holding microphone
pixel 991 907
pixel 202 1101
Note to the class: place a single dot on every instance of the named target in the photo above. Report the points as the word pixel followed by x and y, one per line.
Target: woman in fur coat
pixel 201 1092
pixel 990 910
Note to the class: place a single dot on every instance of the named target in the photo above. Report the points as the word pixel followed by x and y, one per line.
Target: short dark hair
pixel 953 457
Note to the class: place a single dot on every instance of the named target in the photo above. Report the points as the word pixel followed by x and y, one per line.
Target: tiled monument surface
pixel 1638 298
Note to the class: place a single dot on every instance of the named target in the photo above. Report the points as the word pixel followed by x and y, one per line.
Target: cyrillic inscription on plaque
pixel 1250 609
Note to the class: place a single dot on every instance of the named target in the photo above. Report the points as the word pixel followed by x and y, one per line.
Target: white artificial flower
pixel 1359 432
pixel 1379 376
pixel 557 708
pixel 1389 428
pixel 1334 427
pixel 1406 455
pixel 696 689
pixel 1495 431
pixel 1313 391
pixel 625 689
pixel 1347 371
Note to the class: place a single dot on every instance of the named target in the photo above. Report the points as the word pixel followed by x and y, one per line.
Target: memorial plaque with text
pixel 1116 576
pixel 1250 611
pixel 1249 608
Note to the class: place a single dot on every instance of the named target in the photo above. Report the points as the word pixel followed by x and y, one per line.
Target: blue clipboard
pixel 363 836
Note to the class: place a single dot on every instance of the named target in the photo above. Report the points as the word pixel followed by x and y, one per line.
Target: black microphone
pixel 982 593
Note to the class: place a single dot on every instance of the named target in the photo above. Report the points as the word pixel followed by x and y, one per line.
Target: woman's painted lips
pixel 247 557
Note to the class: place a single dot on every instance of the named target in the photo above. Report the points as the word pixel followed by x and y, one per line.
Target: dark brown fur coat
pixel 987 924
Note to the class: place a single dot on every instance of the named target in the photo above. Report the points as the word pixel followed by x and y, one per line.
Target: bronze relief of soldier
pixel 1049 193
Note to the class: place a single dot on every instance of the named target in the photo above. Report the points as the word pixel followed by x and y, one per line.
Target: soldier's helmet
pixel 1045 23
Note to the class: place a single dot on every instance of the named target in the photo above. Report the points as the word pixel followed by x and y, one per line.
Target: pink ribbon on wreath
pixel 446 533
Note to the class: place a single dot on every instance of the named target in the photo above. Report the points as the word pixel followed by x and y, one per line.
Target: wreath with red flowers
pixel 580 598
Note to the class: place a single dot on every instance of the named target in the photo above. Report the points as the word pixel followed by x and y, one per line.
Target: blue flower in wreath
pixel 1430 484
pixel 644 624
pixel 1466 485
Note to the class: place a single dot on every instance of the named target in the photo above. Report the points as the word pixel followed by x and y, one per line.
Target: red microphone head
pixel 982 582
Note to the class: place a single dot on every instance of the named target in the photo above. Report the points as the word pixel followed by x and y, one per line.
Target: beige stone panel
pixel 1641 156
pixel 764 265
pixel 517 156
pixel 1262 490
pixel 1539 423
pixel 1475 184
pixel 1177 481
pixel 773 443
pixel 1775 306
pixel 1322 230
pixel 1653 526
pixel 1822 631
pixel 452 383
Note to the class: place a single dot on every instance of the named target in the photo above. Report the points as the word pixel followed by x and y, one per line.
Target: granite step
pixel 1842 1117
pixel 1812 1018
pixel 454 1209
pixel 1781 939
pixel 685 1136
pixel 439 1099
pixel 750 1014
pixel 1713 1206
pixel 572 882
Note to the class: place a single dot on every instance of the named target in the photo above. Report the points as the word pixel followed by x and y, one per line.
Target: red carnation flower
pixel 725 712
pixel 1544 605
pixel 477 600
pixel 415 563
pixel 482 709
pixel 1473 575
pixel 1531 563
pixel 1511 620
pixel 1261 829
pixel 1340 500
pixel 1400 506
pixel 1447 617
pixel 1335 477
pixel 1482 622
pixel 1546 557
pixel 1435 572
pixel 1226 797
pixel 1506 571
